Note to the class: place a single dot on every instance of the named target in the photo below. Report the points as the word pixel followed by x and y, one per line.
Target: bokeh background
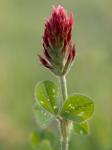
pixel 21 28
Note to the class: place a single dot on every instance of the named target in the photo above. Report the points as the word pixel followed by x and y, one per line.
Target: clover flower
pixel 58 50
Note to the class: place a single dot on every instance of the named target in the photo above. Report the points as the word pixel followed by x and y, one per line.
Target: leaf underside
pixel 42 117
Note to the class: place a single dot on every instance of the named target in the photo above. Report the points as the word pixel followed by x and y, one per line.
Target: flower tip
pixel 71 21
pixel 59 9
pixel 53 7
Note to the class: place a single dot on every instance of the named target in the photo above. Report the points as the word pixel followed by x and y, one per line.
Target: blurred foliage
pixel 21 28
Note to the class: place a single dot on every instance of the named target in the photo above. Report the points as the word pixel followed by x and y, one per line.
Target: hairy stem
pixel 63 87
pixel 64 145
pixel 64 124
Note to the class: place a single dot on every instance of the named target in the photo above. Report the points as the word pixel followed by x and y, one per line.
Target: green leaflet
pixel 46 94
pixel 44 145
pixel 42 117
pixel 81 128
pixel 77 108
pixel 35 139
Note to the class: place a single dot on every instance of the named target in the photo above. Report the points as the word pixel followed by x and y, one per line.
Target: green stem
pixel 64 134
pixel 64 145
pixel 63 87
pixel 64 124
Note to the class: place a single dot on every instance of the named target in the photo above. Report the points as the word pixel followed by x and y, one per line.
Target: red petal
pixel 44 62
pixel 71 19
pixel 73 53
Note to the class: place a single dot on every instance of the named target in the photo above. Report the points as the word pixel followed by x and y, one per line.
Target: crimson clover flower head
pixel 58 50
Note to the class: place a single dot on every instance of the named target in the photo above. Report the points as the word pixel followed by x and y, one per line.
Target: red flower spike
pixel 57 40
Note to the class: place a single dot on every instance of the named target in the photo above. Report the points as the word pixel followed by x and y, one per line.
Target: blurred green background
pixel 21 28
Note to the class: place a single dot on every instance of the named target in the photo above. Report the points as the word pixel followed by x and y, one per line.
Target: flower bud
pixel 59 52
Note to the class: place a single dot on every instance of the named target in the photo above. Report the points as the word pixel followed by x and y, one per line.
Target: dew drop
pixel 70 105
pixel 67 111
pixel 81 113
pixel 81 132
pixel 41 102
pixel 54 107
pixel 48 100
pixel 53 90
